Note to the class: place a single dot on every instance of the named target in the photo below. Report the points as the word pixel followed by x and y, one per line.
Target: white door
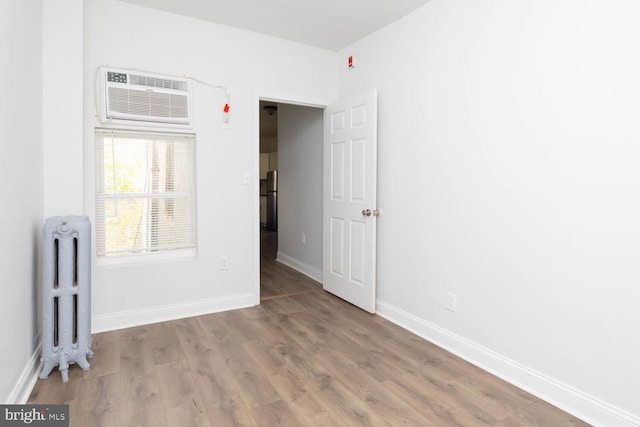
pixel 350 210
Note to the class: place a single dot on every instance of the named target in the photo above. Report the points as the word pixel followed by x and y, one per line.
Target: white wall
pixel 508 174
pixel 62 104
pixel 300 139
pixel 22 188
pixel 247 63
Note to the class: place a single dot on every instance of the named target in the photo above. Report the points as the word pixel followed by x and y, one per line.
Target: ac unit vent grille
pixel 157 82
pixel 140 98
pixel 155 106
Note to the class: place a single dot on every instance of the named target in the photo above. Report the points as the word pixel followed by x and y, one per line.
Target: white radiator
pixel 66 294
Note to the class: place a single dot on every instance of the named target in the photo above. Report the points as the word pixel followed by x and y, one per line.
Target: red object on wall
pixel 226 108
pixel 351 62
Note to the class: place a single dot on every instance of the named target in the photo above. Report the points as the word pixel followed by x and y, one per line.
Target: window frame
pixel 144 253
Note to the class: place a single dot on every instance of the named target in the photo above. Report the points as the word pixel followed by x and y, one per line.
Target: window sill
pixel 132 260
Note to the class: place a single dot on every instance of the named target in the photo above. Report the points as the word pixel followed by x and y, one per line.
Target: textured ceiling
pixel 330 24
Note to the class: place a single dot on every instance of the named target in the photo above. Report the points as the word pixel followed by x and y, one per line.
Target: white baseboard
pixel 127 319
pixel 300 266
pixel 563 396
pixel 23 388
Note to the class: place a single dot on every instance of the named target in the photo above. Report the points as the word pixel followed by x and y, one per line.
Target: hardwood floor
pixel 304 360
pixel 277 279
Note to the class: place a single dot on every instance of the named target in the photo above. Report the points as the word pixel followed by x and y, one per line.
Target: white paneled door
pixel 350 210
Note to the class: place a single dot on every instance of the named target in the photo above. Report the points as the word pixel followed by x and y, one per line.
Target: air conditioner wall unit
pixel 132 96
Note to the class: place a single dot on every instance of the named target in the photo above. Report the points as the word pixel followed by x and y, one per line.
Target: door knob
pixel 366 212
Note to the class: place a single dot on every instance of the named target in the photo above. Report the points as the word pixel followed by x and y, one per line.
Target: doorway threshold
pixel 292 294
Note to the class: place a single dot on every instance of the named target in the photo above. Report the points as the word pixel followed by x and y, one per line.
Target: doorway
pixel 290 248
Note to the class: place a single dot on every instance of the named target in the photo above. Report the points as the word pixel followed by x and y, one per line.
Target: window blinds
pixel 145 193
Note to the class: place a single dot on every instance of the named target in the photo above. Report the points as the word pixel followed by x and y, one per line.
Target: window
pixel 145 193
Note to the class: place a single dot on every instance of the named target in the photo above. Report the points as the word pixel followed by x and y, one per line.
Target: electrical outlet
pixel 452 302
pixel 224 262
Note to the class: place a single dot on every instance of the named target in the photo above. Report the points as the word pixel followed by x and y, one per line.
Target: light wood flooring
pixel 308 359
pixel 276 279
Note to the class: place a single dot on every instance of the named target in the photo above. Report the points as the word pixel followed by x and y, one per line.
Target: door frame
pixel 262 95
